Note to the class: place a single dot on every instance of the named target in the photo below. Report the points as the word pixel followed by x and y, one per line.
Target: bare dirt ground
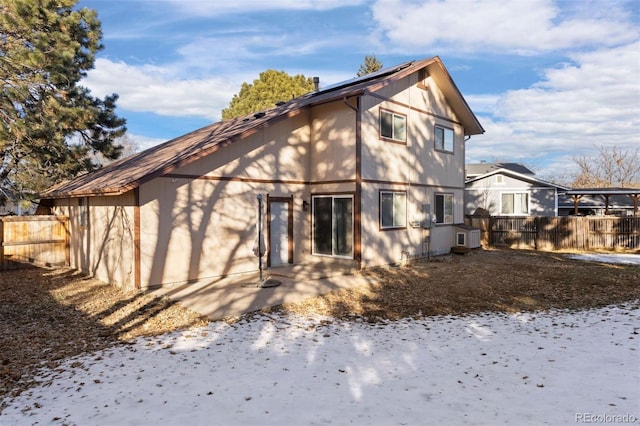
pixel 49 315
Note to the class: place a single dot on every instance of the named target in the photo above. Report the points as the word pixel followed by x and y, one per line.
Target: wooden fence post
pixel 1 244
pixel 67 248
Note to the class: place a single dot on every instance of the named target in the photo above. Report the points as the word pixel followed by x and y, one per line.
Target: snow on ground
pixel 629 259
pixel 543 368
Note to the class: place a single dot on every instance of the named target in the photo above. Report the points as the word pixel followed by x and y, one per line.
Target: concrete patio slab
pixel 239 294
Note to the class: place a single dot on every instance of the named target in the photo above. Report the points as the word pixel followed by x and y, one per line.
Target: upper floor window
pixel 444 208
pixel 444 139
pixel 516 203
pixel 499 179
pixel 393 209
pixel 393 126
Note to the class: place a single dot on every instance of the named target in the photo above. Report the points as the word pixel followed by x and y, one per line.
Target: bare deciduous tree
pixel 612 167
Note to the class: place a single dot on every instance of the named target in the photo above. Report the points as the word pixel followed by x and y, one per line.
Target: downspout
pixel 357 202
pixel 136 238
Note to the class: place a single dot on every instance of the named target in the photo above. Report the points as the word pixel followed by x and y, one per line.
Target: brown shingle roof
pixel 129 173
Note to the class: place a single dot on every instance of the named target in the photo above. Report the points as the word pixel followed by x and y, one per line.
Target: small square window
pixel 444 139
pixel 393 126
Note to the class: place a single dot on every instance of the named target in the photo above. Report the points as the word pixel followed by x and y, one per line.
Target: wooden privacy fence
pixel 38 240
pixel 556 233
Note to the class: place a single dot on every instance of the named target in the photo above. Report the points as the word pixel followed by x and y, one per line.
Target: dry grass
pixel 483 281
pixel 49 315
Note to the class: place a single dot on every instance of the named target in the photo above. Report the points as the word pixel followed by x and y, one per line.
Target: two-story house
pixel 363 173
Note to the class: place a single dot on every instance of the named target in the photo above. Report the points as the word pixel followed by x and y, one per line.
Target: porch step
pixel 312 272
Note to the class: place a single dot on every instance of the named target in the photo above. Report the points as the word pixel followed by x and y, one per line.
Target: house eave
pixel 519 176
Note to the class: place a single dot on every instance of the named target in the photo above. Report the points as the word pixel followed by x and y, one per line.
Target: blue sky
pixel 549 80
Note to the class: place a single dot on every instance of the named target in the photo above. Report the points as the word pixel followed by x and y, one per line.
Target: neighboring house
pixel 599 202
pixel 363 173
pixel 509 189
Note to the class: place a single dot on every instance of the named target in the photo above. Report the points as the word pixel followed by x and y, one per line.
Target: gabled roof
pixel 530 178
pixel 131 172
pixel 473 170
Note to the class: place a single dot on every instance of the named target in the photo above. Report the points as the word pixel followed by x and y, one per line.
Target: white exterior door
pixel 279 233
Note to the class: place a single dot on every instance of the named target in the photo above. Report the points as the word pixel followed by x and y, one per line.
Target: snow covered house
pixel 361 173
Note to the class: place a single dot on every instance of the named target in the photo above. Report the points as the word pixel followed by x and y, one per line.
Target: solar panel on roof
pixel 367 77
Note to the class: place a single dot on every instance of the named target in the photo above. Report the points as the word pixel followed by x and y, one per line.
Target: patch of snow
pixel 533 368
pixel 629 259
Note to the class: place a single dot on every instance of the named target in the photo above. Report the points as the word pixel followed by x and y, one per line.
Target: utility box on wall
pixel 422 218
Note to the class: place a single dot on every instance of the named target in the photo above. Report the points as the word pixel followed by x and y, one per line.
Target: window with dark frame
pixel 333 225
pixel 444 208
pixel 444 139
pixel 393 126
pixel 393 209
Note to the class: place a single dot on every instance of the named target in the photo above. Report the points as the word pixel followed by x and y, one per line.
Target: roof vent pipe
pixel 316 84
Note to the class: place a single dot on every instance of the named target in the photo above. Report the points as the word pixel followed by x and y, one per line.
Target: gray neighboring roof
pixel 604 191
pixel 477 169
pixel 596 197
pixel 523 177
pixel 131 172
pixel 595 200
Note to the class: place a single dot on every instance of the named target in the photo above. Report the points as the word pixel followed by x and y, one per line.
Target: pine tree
pixel 271 87
pixel 49 124
pixel 371 64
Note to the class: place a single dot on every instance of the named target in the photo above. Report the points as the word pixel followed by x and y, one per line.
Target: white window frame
pixel 499 180
pixel 513 194
pixel 394 117
pixel 444 139
pixel 447 217
pixel 398 212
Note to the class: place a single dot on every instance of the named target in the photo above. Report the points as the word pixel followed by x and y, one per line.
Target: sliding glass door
pixel 333 225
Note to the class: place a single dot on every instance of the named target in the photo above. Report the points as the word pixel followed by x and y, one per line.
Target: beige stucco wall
pixel 200 222
pixel 202 229
pixel 381 247
pixel 416 168
pixel 333 142
pixel 103 247
pixel 417 161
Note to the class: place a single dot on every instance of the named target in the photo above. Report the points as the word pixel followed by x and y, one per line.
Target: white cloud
pixel 522 27
pixel 144 142
pixel 236 53
pixel 217 8
pixel 480 104
pixel 156 89
pixel 593 101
